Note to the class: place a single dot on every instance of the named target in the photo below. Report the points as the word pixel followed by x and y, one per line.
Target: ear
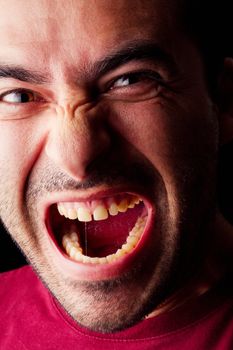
pixel 226 102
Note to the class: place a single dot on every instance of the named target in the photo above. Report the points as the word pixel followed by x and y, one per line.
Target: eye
pixel 124 81
pixel 135 78
pixel 19 96
pixel 16 104
pixel 135 86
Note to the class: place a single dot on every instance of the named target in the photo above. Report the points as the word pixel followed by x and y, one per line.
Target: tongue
pixel 101 238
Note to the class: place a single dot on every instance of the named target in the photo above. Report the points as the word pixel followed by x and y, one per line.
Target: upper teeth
pixel 98 210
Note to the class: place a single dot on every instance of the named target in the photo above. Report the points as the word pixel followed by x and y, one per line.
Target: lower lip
pixel 95 272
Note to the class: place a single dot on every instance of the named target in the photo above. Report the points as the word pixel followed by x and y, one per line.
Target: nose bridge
pixel 76 139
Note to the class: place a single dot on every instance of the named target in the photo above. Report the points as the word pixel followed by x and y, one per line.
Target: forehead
pixel 49 29
pixel 91 13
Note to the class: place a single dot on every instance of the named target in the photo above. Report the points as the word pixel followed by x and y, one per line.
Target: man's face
pixel 103 103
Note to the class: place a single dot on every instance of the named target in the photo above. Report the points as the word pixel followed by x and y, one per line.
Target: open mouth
pixel 99 231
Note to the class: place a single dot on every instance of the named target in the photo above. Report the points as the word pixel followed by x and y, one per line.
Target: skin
pixel 61 142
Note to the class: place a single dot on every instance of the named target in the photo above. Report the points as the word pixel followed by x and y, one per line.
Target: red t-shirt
pixel 31 319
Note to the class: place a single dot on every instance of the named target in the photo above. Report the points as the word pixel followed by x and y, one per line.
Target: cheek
pixel 140 124
pixel 13 141
pixel 20 144
pixel 163 130
pixel 150 128
pixel 177 141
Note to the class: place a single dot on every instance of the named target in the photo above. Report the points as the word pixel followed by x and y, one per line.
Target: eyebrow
pixel 19 73
pixel 135 51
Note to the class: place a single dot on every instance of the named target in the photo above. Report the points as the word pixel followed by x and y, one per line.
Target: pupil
pixel 24 97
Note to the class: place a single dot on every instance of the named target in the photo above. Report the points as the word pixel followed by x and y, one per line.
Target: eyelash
pixel 36 97
pixel 146 75
pixel 142 85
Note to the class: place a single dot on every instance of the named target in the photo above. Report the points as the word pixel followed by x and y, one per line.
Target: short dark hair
pixel 209 23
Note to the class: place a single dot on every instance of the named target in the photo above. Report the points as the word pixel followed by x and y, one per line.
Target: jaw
pixel 110 264
pixel 132 280
pixel 86 289
pixel 100 238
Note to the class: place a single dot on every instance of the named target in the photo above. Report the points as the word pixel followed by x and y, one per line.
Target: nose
pixel 76 140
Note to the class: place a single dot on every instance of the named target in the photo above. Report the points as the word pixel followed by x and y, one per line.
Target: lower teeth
pixel 73 249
